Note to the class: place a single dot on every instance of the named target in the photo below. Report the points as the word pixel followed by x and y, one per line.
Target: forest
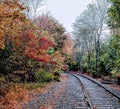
pixel 97 37
pixel 35 49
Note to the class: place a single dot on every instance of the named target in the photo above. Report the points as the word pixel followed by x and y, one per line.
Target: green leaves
pixel 114 14
pixel 51 50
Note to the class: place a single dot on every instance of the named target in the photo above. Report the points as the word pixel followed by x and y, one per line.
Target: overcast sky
pixel 66 11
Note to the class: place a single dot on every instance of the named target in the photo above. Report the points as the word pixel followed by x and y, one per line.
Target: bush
pixel 42 75
pixel 73 66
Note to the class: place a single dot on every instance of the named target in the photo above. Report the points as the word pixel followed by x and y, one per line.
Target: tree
pixel 89 27
pixel 114 16
pixel 114 24
pixel 34 8
pixel 68 47
pixel 11 19
pixel 50 26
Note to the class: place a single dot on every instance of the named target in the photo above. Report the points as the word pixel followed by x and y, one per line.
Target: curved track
pixel 98 96
pixel 85 93
pixel 74 95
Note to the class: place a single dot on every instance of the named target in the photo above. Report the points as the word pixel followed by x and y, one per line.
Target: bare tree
pixel 34 7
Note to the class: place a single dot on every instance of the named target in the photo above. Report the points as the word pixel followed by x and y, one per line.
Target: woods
pixel 97 49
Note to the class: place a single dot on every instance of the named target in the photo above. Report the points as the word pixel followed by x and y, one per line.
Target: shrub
pixel 73 66
pixel 42 75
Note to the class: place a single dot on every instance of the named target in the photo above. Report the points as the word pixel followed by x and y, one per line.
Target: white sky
pixel 66 11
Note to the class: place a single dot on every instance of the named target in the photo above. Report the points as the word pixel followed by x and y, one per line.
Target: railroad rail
pixel 97 95
pixel 85 93
pixel 103 86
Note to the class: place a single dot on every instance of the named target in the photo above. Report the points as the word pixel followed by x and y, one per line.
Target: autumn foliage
pixel 38 49
pixel 27 47
pixel 15 98
pixel 11 20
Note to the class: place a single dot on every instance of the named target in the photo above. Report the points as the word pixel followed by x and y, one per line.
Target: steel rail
pixel 85 92
pixel 115 95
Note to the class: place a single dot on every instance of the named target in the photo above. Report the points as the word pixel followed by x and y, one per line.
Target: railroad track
pixel 97 96
pixel 87 100
pixel 74 96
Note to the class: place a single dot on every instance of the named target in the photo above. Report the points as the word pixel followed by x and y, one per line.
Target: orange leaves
pixel 15 98
pixel 11 19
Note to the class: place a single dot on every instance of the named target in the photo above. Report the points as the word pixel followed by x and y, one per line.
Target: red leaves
pixel 33 46
pixel 45 43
